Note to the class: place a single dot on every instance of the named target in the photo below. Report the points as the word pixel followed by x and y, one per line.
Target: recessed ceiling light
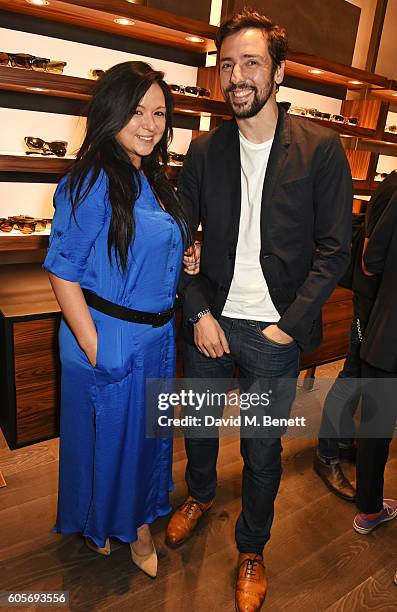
pixel 124 21
pixel 315 71
pixel 355 82
pixel 38 2
pixel 194 39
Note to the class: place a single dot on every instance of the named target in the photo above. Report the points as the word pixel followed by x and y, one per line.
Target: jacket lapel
pixel 277 159
pixel 232 171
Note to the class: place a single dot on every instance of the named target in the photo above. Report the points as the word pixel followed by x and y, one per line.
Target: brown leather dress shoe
pixel 184 520
pixel 251 582
pixel 334 478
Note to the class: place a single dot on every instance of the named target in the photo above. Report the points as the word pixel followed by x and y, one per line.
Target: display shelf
pixel 62 86
pixel 300 65
pixel 36 164
pixel 149 24
pixel 390 137
pixel 389 93
pixel 366 188
pixel 173 30
pixel 32 242
pixel 370 145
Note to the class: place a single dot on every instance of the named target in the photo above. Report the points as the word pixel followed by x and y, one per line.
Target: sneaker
pixel 389 512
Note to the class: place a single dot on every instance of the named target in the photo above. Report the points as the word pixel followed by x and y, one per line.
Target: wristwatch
pixel 196 318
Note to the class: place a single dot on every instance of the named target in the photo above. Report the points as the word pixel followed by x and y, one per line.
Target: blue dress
pixel 112 478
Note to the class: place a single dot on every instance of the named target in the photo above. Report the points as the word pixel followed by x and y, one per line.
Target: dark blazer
pixel 379 347
pixel 305 221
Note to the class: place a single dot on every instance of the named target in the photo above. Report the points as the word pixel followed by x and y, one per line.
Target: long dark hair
pixel 115 98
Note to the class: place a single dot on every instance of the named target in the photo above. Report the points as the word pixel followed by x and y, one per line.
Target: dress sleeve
pixel 73 235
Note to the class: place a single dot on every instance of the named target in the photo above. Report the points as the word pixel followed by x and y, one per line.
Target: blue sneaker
pixel 364 526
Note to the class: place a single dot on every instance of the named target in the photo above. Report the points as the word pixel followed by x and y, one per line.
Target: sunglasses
pixel 31 62
pixel 177 158
pixel 190 90
pixel 38 145
pixel 23 223
pixel 96 73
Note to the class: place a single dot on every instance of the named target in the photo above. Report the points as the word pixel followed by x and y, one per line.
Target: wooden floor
pixel 315 561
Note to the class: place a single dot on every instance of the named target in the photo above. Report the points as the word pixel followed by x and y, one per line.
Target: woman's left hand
pixel 191 259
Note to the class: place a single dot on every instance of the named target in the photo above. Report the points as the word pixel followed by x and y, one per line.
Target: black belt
pixel 156 319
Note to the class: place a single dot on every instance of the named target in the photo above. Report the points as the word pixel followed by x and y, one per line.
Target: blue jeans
pixel 337 426
pixel 258 360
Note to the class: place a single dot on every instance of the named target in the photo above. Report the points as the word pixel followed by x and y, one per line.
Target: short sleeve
pixel 73 235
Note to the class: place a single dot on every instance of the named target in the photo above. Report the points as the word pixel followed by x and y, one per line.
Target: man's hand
pixel 209 337
pixel 273 332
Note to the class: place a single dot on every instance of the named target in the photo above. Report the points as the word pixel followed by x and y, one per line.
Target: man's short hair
pixel 249 18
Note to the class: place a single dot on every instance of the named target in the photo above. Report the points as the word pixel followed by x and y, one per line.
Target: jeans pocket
pixel 271 342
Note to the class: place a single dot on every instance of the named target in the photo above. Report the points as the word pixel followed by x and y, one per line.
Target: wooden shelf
pixel 332 73
pixel 51 165
pixel 29 163
pixel 390 137
pixel 370 145
pixel 150 24
pixel 342 128
pixel 366 188
pixel 389 93
pixel 62 86
pixel 23 243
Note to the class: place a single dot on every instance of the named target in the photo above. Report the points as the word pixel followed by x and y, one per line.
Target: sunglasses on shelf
pixel 176 158
pixel 23 223
pixel 31 62
pixel 96 73
pixel 38 145
pixel 190 90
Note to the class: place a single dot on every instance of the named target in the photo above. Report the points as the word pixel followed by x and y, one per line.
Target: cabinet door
pixel 37 379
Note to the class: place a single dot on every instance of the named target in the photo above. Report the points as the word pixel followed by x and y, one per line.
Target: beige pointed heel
pixel 146 563
pixel 105 551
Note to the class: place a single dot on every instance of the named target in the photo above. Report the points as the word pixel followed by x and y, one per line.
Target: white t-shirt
pixel 249 296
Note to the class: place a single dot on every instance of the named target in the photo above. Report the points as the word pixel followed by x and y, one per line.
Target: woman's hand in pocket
pixel 91 350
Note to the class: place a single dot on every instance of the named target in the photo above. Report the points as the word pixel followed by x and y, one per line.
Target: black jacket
pixel 305 221
pixel 380 341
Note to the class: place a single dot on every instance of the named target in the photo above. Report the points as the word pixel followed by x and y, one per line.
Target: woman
pixel 114 260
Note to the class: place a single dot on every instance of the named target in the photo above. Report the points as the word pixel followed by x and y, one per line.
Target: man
pixel 344 396
pixel 273 194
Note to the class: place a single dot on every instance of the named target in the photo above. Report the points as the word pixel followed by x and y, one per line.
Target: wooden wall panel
pixel 366 110
pixel 36 379
pixel 327 28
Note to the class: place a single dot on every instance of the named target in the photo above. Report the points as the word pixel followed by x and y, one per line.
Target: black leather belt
pixel 156 319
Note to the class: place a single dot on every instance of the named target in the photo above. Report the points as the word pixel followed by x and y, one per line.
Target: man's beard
pixel 258 102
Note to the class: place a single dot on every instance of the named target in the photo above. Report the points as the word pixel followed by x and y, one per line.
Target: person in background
pixel 114 261
pixel 344 396
pixel 273 193
pixel 379 372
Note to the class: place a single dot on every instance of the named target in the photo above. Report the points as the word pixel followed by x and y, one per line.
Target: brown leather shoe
pixel 184 520
pixel 333 477
pixel 251 582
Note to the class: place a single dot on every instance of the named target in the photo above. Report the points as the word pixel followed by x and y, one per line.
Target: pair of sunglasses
pixel 96 73
pixel 31 62
pixel 23 223
pixel 190 90
pixel 38 145
pixel 176 158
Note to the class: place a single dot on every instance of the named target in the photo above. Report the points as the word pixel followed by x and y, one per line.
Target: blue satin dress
pixel 112 478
